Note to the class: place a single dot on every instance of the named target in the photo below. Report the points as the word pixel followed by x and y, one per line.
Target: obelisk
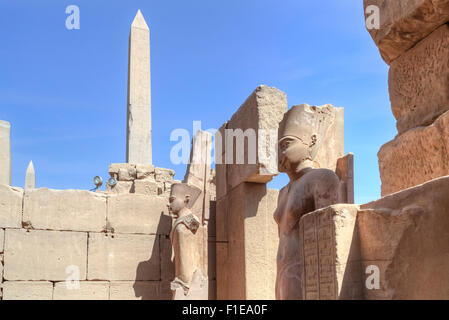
pixel 5 153
pixel 138 145
pixel 30 177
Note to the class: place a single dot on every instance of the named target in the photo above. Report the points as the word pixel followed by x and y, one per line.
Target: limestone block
pixel 140 290
pixel 263 109
pixel 123 257
pixel 144 171
pixel 419 82
pixel 167 262
pixel 88 290
pixel 75 210
pixel 10 207
pixel 148 187
pixel 138 137
pixel 331 254
pixel 27 290
pixel 405 235
pixel 404 23
pixel 417 156
pixel 129 174
pixel 122 187
pixel 5 153
pixel 44 255
pixel 137 213
pixel 2 240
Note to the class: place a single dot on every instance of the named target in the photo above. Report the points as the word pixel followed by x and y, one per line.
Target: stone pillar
pixel 246 232
pixel 138 146
pixel 5 153
pixel 30 177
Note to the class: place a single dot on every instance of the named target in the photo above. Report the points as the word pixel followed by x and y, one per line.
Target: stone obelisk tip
pixel 139 21
pixel 30 177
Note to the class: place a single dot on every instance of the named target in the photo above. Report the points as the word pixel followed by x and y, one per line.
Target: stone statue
pixel 185 240
pixel 300 135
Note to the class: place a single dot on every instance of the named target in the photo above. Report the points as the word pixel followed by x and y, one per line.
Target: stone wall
pixel 117 245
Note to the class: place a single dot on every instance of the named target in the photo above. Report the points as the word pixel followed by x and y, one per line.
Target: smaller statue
pixel 190 282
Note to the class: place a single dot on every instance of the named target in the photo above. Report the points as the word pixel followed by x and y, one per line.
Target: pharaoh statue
pixel 300 135
pixel 190 282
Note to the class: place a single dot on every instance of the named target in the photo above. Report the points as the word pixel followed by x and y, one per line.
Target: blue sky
pixel 64 92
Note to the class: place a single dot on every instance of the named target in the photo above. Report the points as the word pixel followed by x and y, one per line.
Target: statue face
pixel 292 152
pixel 176 204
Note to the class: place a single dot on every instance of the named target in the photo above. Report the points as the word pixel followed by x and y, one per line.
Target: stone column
pixel 138 145
pixel 30 177
pixel 5 153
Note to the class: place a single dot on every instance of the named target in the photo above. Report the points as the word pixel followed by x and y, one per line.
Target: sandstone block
pixel 122 187
pixel 5 153
pixel 419 82
pixel 167 262
pixel 127 174
pixel 263 109
pixel 405 235
pixel 136 213
pixel 10 207
pixel 115 168
pixel 144 171
pixel 27 290
pixel 44 255
pixel 140 290
pixel 164 175
pixel 331 252
pixel 75 210
pixel 404 23
pixel 2 239
pixel 148 187
pixel 88 290
pixel 417 156
pixel 123 257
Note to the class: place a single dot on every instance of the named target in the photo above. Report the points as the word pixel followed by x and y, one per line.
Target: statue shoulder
pixel 190 221
pixel 325 175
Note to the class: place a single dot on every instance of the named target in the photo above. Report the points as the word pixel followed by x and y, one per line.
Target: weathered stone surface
pixel 136 213
pixel 404 23
pixel 333 145
pixel 88 290
pixel 123 257
pixel 417 156
pixel 144 171
pixel 255 160
pixel 75 210
pixel 148 187
pixel 27 290
pixel 122 187
pixel 345 172
pixel 419 82
pixel 246 263
pixel 44 255
pixel 198 168
pixel 167 263
pixel 164 175
pixel 330 254
pixel 10 207
pixel 5 153
pixel 405 235
pixel 138 147
pixel 127 174
pixel 140 290
pixel 115 168
pixel 2 240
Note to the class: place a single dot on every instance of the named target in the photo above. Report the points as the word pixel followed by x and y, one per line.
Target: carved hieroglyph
pixel 5 153
pixel 191 280
pixel 300 135
pixel 138 145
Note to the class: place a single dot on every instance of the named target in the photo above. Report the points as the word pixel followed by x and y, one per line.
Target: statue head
pixel 182 196
pixel 301 133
